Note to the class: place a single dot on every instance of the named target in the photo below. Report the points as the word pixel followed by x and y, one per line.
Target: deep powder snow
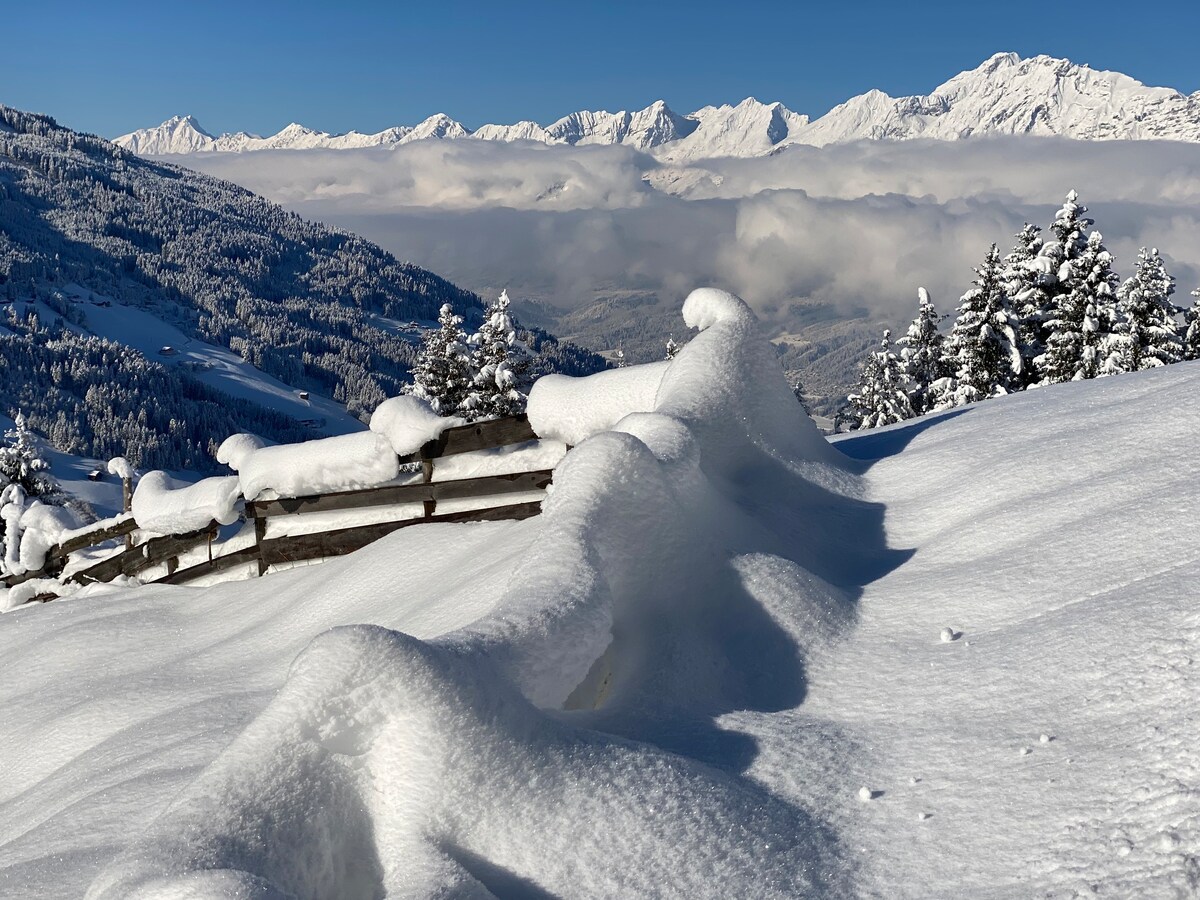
pixel 714 666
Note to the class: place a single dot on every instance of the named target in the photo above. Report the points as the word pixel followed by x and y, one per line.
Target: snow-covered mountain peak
pixel 1004 95
pixel 178 134
pixel 438 125
pixel 187 122
pixel 751 128
pixel 1041 95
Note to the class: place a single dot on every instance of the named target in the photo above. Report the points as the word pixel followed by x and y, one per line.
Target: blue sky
pixel 109 67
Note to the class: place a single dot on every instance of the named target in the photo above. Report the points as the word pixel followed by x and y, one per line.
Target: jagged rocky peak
pixel 1004 95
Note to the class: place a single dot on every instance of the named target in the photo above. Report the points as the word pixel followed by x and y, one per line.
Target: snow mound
pixel 674 680
pixel 41 527
pixel 570 409
pixel 120 467
pixel 342 463
pixel 236 448
pixel 389 765
pixel 377 791
pixel 409 422
pixel 165 505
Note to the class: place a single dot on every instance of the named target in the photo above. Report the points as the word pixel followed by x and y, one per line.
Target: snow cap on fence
pixel 343 463
pixel 235 448
pixel 409 422
pixel 41 528
pixel 165 505
pixel 120 467
pixel 570 409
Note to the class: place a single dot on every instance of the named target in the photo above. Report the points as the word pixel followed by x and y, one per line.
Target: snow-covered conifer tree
pixel 22 463
pixel 798 390
pixel 1146 334
pixel 983 350
pixel 442 373
pixel 882 395
pixel 1025 281
pixel 499 362
pixel 672 348
pixel 1084 317
pixel 1191 336
pixel 922 355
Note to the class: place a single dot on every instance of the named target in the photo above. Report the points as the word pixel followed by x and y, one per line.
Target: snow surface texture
pixel 341 463
pixel 676 681
pixel 409 422
pixel 163 505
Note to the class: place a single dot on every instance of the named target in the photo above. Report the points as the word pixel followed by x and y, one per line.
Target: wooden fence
pixel 171 551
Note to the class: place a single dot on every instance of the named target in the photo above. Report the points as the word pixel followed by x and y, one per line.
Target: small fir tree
pixel 1191 334
pixel 1026 282
pixel 923 356
pixel 798 391
pixel 442 373
pixel 882 395
pixel 499 362
pixel 1084 317
pixel 22 462
pixel 983 349
pixel 1146 335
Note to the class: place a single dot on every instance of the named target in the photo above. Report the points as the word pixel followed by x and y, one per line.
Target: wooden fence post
pixel 427 476
pixel 127 505
pixel 260 532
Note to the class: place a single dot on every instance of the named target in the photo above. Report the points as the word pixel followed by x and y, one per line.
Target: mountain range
pixel 1005 95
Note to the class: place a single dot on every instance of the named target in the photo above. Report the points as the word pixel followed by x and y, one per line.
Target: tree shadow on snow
pixel 869 447
pixel 499 881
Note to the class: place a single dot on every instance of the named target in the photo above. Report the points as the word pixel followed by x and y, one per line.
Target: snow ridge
pixel 1005 95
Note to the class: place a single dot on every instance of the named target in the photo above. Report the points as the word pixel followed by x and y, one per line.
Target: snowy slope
pixel 212 365
pixel 71 472
pixel 673 682
pixel 1005 94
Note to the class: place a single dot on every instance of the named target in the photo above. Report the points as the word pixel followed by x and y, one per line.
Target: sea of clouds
pixel 858 226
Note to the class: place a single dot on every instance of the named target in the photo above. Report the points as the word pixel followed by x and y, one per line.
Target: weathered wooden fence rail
pixel 170 551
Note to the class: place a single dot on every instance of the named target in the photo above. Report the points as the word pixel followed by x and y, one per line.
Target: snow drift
pixel 391 763
pixel 678 680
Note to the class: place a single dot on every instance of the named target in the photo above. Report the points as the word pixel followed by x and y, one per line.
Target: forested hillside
pixel 316 308
pixel 294 298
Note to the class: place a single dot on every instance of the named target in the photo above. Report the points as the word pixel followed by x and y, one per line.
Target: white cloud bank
pixel 857 226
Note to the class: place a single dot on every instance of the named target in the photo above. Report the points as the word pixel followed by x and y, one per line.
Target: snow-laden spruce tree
pixel 797 384
pixel 499 362
pixel 1026 281
pixel 1146 335
pixel 882 395
pixel 983 350
pixel 1085 317
pixel 22 463
pixel 442 374
pixel 923 356
pixel 1191 334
